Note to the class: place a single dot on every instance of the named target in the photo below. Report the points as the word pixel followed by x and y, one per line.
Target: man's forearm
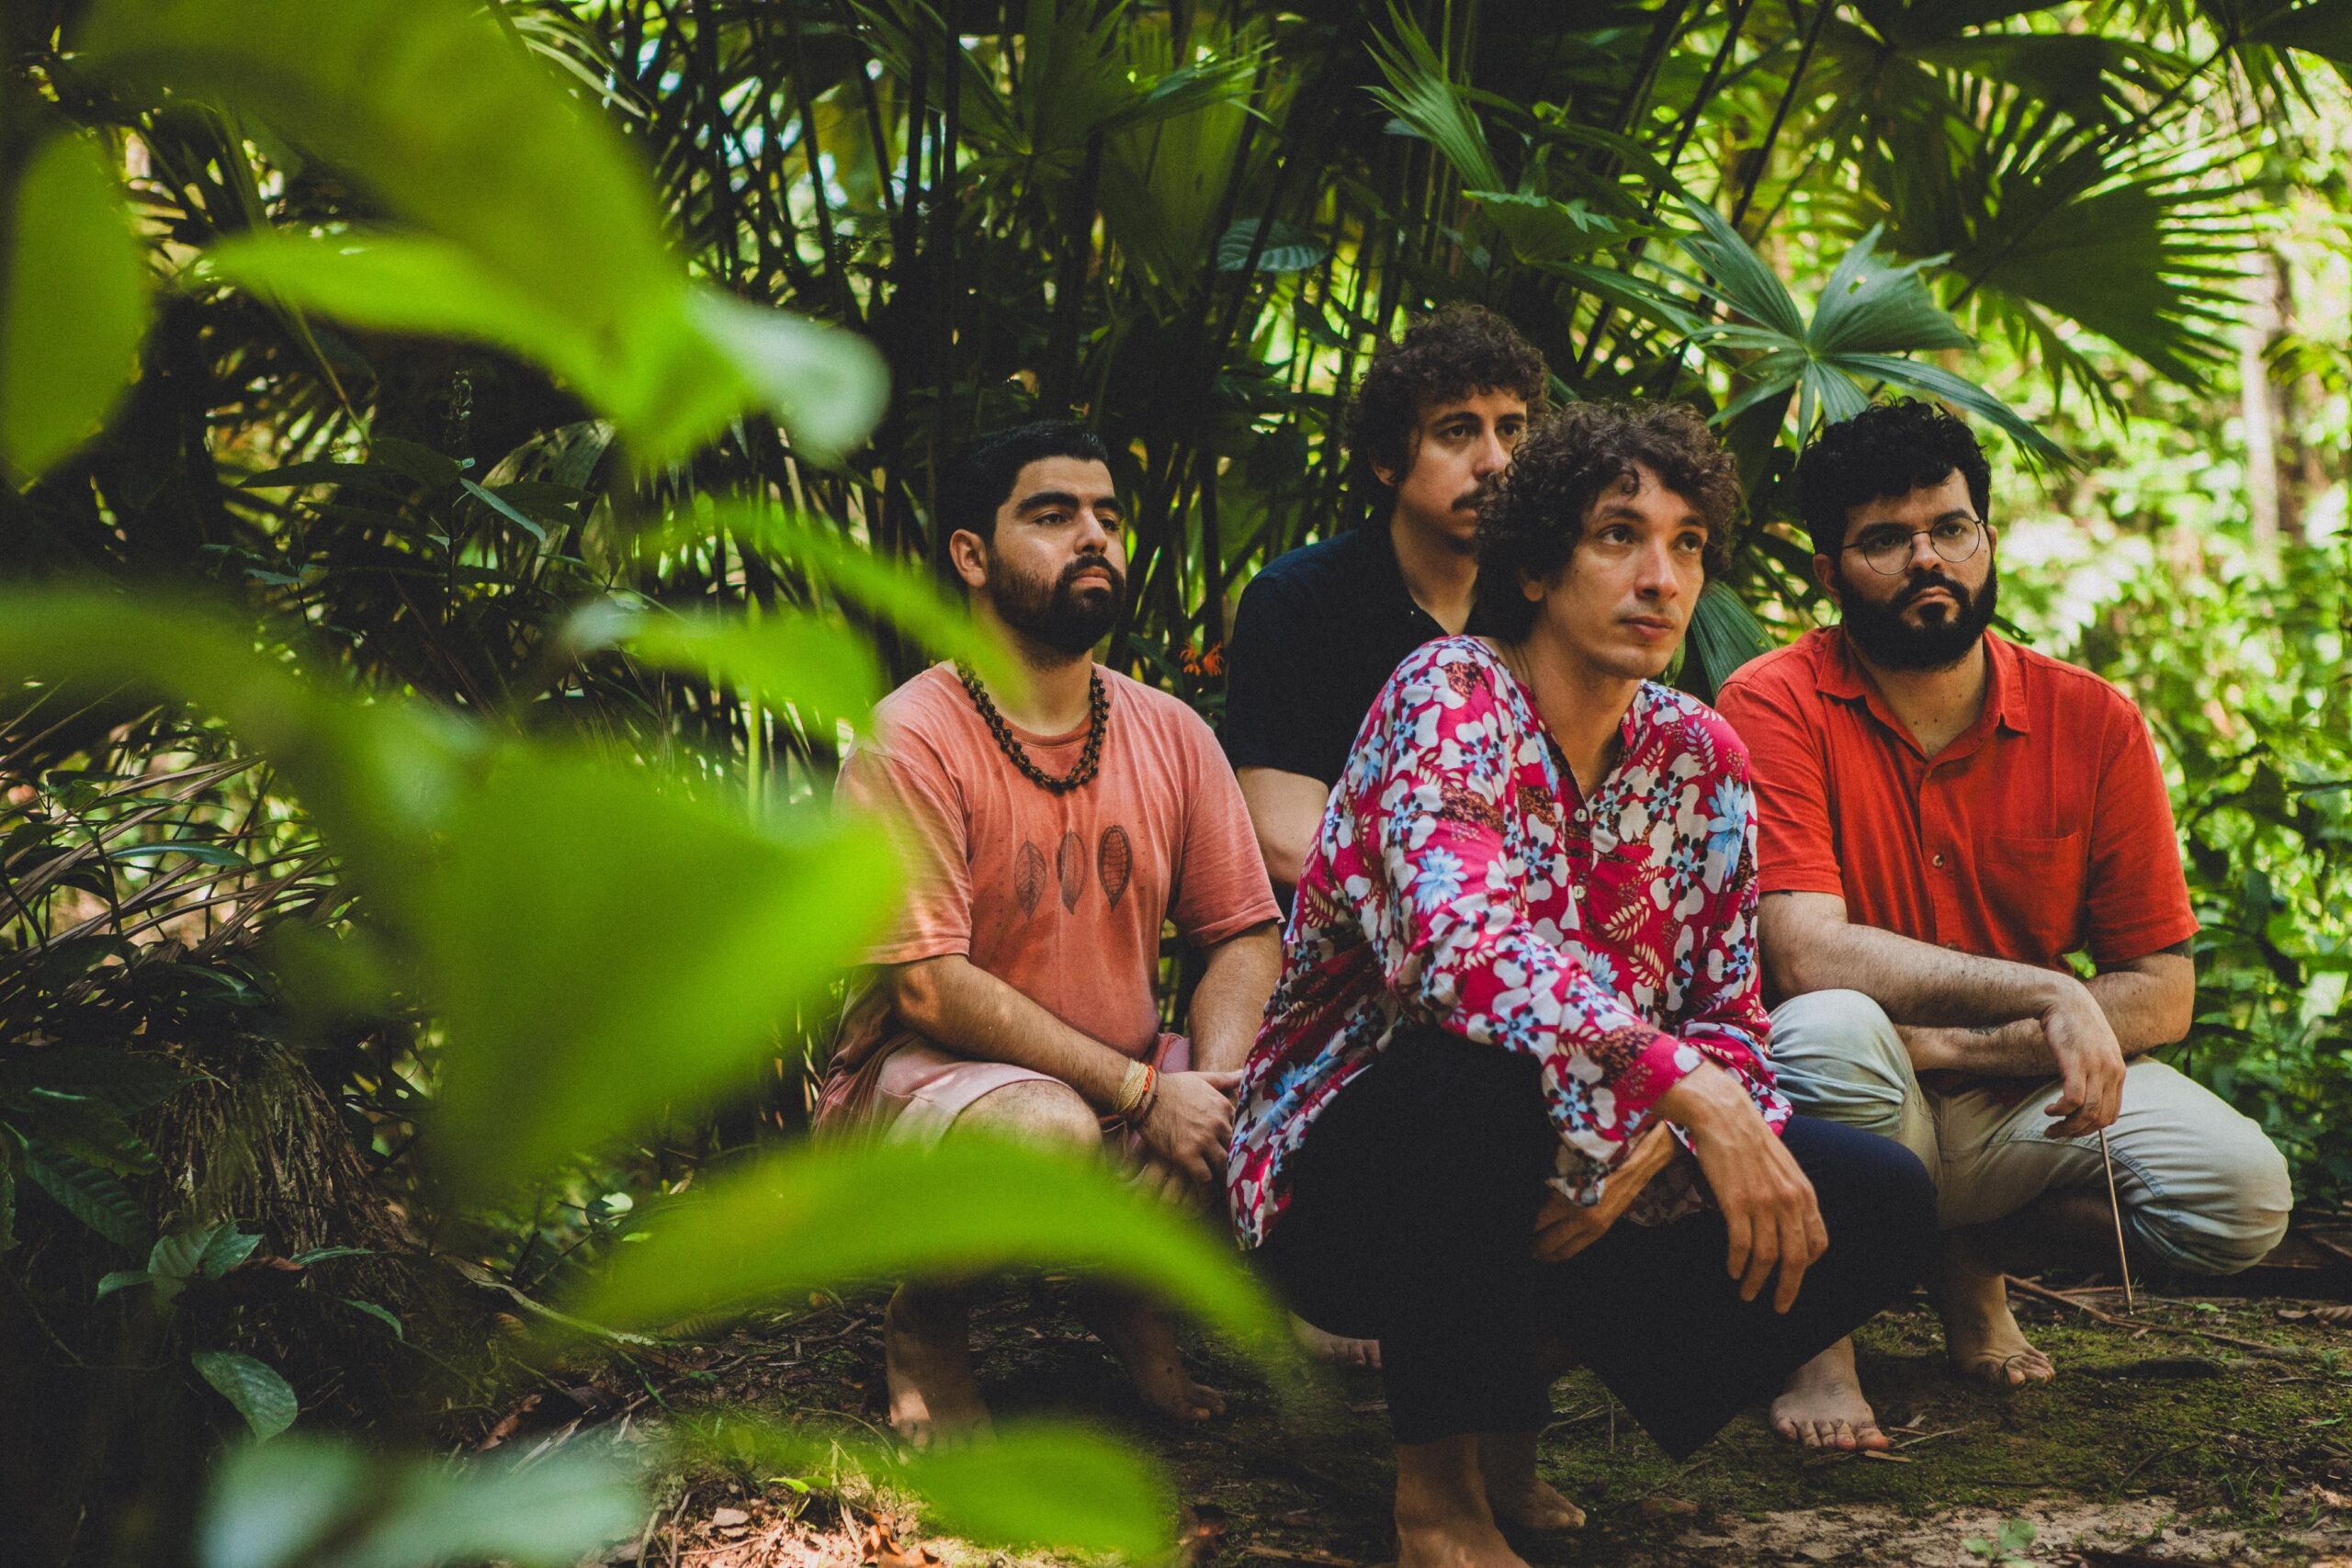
pixel 966 1010
pixel 1230 1001
pixel 2144 1005
pixel 1916 982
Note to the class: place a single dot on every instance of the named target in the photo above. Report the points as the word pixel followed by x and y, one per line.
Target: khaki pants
pixel 2200 1187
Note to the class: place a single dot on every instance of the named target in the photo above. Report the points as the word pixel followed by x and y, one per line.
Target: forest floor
pixel 2168 1444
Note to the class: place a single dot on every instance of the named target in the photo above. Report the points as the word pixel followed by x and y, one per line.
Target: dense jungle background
pixel 469 472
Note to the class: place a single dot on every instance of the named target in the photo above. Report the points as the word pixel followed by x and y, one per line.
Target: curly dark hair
pixel 1459 351
pixel 980 478
pixel 1889 449
pixel 1529 526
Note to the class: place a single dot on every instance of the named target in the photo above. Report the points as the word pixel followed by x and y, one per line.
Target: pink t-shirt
pixel 1061 896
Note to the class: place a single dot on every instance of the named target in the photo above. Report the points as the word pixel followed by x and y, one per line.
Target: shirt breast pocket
pixel 2033 886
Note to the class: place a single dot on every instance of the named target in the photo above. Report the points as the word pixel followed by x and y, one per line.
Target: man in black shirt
pixel 1318 632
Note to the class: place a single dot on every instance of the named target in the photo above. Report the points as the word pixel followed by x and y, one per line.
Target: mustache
pixel 1960 596
pixel 1085 564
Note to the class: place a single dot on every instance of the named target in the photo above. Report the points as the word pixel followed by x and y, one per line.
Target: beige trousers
pixel 2200 1187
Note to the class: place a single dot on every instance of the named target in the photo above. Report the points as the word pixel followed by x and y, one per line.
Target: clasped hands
pixel 1186 1133
pixel 1770 1211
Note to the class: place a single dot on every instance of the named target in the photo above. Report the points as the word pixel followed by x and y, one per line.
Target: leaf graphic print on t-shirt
pixel 1029 877
pixel 1070 865
pixel 1114 862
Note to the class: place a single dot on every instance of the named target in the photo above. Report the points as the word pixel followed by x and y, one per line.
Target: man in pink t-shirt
pixel 1051 833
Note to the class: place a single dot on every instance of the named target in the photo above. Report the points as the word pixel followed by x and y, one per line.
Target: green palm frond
pixel 1871 314
pixel 2040 217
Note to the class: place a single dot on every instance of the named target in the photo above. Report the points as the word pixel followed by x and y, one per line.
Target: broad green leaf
pixel 227 1247
pixel 323 1254
pixel 820 1216
pixel 89 1129
pixel 542 235
pixel 1052 1484
pixel 382 1315
pixel 918 606
pixel 1912 375
pixel 1739 277
pixel 306 1503
pixel 1286 248
pixel 73 303
pixel 194 849
pixel 122 1280
pixel 95 1197
pixel 1541 228
pixel 178 1257
pixel 265 1399
pixel 435 110
pixel 671 372
pixel 417 283
pixel 130 1081
pixel 812 664
pixel 1869 306
pixel 583 992
pixel 601 946
pixel 507 510
pixel 827 387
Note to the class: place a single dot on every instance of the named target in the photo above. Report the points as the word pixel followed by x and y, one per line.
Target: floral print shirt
pixel 1459 880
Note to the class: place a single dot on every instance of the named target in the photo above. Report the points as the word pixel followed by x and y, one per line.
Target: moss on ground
pixel 2220 1455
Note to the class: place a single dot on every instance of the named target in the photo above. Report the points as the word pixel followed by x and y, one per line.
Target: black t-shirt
pixel 1317 635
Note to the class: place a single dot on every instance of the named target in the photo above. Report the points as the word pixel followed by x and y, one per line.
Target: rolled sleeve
pixel 2138 896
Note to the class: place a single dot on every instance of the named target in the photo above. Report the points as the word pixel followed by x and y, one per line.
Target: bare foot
pixel 1145 1342
pixel 927 1362
pixel 1361 1353
pixel 1982 1339
pixel 1515 1495
pixel 1444 1519
pixel 1454 1542
pixel 1823 1407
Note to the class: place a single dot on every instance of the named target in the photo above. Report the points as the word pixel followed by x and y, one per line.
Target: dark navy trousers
pixel 1412 1221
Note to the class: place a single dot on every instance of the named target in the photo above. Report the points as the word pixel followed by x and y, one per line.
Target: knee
pixel 1877 1201
pixel 1034 1111
pixel 1838 1053
pixel 2246 1200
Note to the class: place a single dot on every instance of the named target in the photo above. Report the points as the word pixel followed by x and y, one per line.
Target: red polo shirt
pixel 2043 829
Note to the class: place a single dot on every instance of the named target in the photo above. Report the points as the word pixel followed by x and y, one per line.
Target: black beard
pixel 1892 643
pixel 1056 616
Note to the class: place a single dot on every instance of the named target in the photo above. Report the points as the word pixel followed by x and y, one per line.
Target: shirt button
pixel 1937 862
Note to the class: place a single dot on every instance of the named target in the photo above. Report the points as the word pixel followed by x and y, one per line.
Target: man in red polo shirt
pixel 1945 816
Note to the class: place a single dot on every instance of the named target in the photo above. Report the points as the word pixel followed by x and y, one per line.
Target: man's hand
pixel 1769 1207
pixel 1565 1227
pixel 1162 1181
pixel 1191 1122
pixel 2090 1062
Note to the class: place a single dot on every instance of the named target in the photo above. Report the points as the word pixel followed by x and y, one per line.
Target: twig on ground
pixel 2252 1346
pixel 1283 1554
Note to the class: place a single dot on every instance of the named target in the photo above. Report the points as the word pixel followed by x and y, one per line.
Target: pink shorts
pixel 910 1090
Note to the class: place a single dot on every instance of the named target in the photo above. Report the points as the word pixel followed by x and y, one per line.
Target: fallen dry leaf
pixel 884 1549
pixel 726 1517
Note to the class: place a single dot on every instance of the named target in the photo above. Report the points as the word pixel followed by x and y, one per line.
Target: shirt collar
pixel 1841 675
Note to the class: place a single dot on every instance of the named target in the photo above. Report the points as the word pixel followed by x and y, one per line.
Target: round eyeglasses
pixel 1887 546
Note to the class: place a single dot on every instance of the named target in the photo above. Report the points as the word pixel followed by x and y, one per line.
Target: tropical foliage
pixel 454 514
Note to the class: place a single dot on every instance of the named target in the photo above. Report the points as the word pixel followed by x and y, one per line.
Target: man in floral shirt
pixel 1520 1000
